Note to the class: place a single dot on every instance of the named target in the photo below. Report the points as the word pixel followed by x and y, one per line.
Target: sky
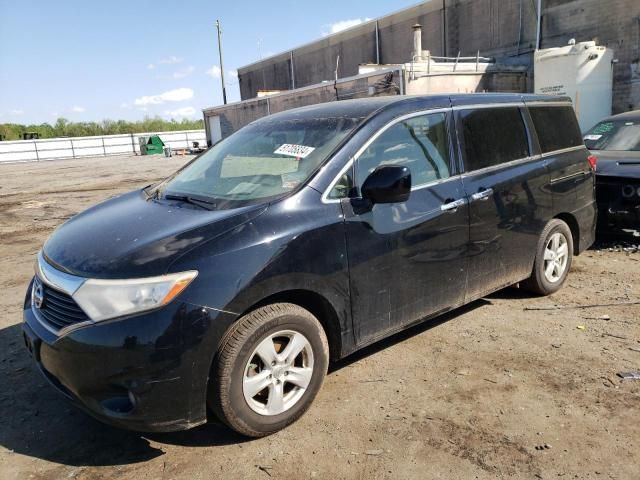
pixel 127 59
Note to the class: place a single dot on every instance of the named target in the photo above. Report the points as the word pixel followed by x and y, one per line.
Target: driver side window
pixel 420 143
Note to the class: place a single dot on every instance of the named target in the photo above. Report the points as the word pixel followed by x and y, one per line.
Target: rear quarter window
pixel 557 128
pixel 493 136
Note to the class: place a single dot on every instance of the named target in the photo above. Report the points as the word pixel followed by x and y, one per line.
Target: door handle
pixel 452 206
pixel 483 195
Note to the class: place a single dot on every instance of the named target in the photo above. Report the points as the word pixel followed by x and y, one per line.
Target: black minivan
pixel 299 239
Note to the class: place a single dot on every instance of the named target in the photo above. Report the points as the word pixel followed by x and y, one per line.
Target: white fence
pixel 77 147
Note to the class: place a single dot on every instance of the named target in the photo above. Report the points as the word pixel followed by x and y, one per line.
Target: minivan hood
pixel 618 164
pixel 131 236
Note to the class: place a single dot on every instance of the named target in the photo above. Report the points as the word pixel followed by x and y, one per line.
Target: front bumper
pixel 147 372
pixel 614 217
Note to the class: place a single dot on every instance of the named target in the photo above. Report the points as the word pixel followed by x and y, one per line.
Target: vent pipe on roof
pixel 417 42
pixel 539 26
pixel 377 43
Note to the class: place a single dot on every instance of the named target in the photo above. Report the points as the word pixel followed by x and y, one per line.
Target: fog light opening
pixel 628 191
pixel 119 405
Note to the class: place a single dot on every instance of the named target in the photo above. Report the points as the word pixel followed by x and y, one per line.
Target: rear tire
pixel 554 255
pixel 268 370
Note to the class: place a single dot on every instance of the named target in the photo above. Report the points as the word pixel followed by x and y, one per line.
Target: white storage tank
pixel 582 71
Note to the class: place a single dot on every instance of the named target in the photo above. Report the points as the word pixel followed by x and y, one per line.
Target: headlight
pixel 104 299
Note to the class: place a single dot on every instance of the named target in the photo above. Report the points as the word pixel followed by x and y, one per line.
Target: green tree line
pixel 64 128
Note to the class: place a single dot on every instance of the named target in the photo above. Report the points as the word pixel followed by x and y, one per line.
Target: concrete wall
pixel 504 82
pixel 498 28
pixel 94 146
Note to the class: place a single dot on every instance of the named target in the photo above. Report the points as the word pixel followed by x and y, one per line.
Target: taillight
pixel 593 162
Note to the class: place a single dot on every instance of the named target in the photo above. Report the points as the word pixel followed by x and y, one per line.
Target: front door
pixel 407 260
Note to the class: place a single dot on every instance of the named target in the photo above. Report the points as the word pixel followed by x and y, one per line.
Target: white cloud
pixel 78 109
pixel 181 112
pixel 214 71
pixel 177 95
pixel 16 111
pixel 151 66
pixel 171 60
pixel 125 105
pixel 342 25
pixel 185 72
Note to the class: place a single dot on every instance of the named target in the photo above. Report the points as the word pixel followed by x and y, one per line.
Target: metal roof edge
pixel 302 89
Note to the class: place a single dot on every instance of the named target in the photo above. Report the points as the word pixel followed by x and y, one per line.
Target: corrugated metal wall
pixel 497 28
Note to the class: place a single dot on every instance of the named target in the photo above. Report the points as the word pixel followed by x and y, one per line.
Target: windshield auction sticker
pixel 298 151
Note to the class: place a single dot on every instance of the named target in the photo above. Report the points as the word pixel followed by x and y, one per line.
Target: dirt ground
pixel 492 390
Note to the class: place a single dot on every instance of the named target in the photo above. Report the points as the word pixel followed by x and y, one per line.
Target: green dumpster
pixel 153 146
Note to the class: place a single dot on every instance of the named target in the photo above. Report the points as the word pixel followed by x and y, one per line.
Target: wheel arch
pixel 315 303
pixel 572 222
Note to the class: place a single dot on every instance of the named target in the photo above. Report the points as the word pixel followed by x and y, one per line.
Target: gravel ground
pixel 511 386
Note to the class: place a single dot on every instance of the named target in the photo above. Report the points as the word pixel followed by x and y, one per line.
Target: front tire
pixel 554 255
pixel 268 370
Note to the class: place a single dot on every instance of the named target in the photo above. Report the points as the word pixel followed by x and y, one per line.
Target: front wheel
pixel 269 368
pixel 553 259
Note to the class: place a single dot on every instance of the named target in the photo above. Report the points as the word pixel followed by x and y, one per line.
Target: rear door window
pixel 493 136
pixel 557 128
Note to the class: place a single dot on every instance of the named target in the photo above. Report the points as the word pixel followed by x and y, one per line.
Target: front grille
pixel 58 309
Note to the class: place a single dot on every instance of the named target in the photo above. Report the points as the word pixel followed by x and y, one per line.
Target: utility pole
pixel 224 90
pixel 264 82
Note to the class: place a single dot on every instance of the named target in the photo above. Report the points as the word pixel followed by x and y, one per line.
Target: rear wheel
pixel 270 367
pixel 553 259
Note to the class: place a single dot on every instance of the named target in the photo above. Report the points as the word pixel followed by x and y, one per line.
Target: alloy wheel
pixel 278 372
pixel 556 256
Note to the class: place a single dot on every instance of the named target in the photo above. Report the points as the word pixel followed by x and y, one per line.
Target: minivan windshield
pixel 261 161
pixel 616 135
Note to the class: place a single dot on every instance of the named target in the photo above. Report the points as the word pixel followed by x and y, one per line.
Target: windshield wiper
pixel 193 201
pixel 152 193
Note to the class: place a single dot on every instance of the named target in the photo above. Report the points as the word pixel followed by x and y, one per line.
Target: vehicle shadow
pixel 406 334
pixel 40 423
pixel 616 239
pixel 511 293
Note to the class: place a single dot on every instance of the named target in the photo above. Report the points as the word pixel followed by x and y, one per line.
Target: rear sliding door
pixel 572 179
pixel 506 189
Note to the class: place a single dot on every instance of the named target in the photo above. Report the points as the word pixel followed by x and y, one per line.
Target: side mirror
pixel 387 184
